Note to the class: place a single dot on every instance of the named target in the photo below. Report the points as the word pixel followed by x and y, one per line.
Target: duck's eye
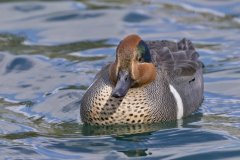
pixel 140 59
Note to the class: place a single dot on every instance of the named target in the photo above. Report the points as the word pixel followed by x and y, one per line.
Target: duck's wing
pixel 158 45
pixel 178 58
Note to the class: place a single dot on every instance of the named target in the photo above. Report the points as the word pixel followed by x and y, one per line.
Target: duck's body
pixel 149 82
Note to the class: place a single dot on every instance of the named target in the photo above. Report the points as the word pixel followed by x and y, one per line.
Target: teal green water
pixel 50 52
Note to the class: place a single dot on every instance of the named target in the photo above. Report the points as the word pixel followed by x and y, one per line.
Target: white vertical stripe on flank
pixel 178 101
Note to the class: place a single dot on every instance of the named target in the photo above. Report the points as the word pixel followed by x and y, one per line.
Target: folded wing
pixel 178 58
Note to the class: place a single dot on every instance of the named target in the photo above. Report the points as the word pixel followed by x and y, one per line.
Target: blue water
pixel 50 52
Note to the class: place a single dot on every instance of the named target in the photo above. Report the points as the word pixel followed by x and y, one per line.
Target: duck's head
pixel 133 66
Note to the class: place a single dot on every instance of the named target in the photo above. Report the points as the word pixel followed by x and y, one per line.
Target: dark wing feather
pixel 180 58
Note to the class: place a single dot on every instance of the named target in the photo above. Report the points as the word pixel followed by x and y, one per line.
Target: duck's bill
pixel 123 84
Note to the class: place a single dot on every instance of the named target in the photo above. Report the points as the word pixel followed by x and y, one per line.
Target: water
pixel 51 50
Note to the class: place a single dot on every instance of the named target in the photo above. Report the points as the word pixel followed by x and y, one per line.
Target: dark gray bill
pixel 123 84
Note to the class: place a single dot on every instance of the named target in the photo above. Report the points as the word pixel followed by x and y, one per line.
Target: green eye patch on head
pixel 143 53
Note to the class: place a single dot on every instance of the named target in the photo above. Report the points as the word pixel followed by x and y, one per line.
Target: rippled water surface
pixel 51 50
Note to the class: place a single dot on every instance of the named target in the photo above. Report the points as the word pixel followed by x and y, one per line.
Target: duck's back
pixel 179 64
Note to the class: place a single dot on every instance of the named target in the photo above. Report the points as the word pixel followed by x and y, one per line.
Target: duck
pixel 149 82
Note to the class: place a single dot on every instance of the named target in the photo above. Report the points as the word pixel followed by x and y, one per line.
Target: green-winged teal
pixel 150 81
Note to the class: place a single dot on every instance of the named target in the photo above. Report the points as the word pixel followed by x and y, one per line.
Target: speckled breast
pixel 103 109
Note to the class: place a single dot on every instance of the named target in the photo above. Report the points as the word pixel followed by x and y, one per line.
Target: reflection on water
pixel 50 52
pixel 16 46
